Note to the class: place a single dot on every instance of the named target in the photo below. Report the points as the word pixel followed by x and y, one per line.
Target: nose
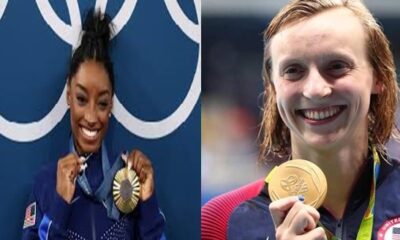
pixel 91 115
pixel 316 86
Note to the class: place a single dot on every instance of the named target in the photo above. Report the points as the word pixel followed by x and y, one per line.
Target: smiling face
pixel 323 79
pixel 89 95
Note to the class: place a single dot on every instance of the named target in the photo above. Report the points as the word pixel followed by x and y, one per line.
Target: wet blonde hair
pixel 274 134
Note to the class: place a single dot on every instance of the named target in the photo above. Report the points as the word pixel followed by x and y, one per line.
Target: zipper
pixel 93 222
pixel 339 230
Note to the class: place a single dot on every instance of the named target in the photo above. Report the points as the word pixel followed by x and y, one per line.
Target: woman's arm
pixel 150 220
pixel 47 213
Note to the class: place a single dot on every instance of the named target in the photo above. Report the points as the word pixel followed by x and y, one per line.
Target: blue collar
pixel 103 194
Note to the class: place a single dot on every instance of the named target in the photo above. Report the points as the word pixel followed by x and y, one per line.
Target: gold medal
pixel 298 177
pixel 126 190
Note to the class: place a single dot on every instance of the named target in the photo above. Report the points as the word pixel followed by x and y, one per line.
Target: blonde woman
pixel 331 95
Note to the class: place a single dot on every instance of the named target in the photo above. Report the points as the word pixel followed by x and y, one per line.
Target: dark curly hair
pixel 96 35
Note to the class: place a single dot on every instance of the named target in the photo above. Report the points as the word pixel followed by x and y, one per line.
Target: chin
pixel 87 145
pixel 325 142
pixel 92 149
pixel 89 148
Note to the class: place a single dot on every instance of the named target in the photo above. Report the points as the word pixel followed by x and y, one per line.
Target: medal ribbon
pixel 367 223
pixel 103 193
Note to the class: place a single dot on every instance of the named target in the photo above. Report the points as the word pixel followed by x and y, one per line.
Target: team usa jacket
pixel 48 216
pixel 251 220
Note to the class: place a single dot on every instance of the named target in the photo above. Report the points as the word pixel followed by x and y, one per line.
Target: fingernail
pixel 301 198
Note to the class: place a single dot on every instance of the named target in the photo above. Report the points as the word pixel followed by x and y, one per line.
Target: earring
pixel 109 115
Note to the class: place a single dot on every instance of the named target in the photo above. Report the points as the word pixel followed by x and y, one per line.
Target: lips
pixel 89 133
pixel 321 114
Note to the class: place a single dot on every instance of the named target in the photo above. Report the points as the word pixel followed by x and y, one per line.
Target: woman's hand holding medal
pixel 297 188
pixel 68 169
pixel 71 165
pixel 295 220
pixel 143 168
pixel 134 182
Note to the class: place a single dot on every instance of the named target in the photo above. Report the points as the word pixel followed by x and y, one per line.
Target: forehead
pixel 336 29
pixel 92 75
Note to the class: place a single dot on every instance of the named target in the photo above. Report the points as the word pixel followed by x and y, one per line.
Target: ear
pixel 377 87
pixel 68 93
pixel 111 106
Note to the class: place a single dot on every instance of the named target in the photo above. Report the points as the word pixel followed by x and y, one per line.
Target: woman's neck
pixel 342 167
pixel 79 151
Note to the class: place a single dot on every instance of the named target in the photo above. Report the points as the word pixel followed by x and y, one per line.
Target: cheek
pixel 358 96
pixel 358 92
pixel 75 118
pixel 358 83
pixel 104 119
pixel 288 97
pixel 287 93
pixel 76 113
pixel 283 100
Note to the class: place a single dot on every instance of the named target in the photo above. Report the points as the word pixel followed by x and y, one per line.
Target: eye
pixel 103 104
pixel 338 68
pixel 293 72
pixel 81 99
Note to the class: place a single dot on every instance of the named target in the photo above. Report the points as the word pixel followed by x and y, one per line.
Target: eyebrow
pixel 338 55
pixel 104 92
pixel 320 58
pixel 287 61
pixel 81 87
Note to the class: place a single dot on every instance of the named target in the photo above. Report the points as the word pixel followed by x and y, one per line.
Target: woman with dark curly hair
pixel 73 198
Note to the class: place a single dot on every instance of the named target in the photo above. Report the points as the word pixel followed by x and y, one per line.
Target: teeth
pixel 89 133
pixel 321 114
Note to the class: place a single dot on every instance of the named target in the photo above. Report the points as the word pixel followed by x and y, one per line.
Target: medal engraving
pixel 126 189
pixel 299 177
pixel 294 185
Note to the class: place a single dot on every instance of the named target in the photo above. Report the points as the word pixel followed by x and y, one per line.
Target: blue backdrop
pixel 156 108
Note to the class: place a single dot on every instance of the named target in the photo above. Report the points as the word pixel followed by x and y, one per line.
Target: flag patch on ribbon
pixel 30 215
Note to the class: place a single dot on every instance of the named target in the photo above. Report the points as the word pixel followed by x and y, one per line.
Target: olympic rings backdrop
pixel 156 54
